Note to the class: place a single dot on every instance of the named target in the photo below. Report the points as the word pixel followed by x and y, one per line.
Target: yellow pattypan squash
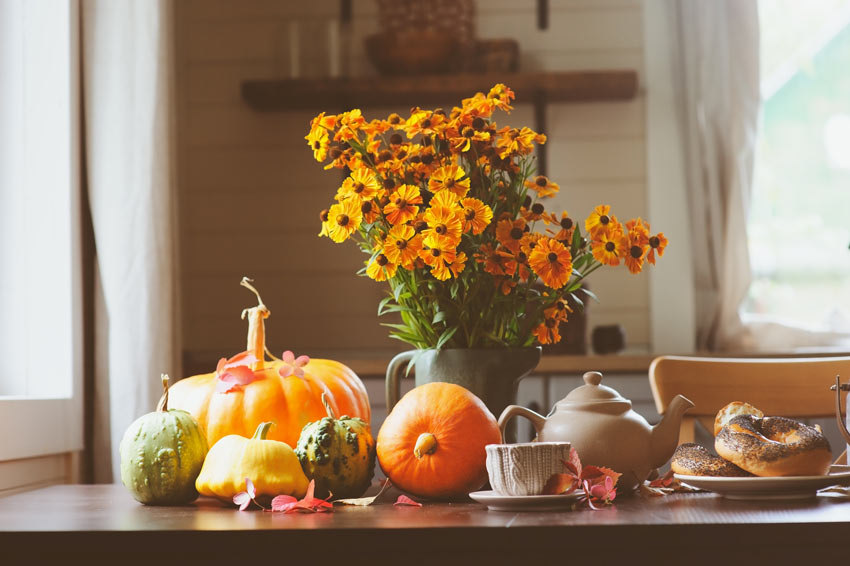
pixel 271 465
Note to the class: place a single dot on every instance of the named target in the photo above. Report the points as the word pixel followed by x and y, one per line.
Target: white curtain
pixel 127 86
pixel 716 75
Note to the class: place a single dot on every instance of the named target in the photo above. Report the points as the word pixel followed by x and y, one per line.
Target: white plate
pixel 496 502
pixel 791 487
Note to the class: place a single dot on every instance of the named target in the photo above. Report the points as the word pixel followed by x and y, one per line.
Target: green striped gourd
pixel 161 455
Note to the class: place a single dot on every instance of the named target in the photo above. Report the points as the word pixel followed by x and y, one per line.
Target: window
pixel 40 337
pixel 799 224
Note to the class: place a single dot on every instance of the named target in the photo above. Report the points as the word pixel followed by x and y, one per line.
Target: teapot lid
pixel 593 392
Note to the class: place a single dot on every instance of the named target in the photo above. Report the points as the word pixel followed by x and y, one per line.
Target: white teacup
pixel 524 469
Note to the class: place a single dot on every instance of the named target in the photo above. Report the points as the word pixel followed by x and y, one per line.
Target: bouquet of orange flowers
pixel 451 215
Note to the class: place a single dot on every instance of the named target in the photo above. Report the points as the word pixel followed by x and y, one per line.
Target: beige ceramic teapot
pixel 605 431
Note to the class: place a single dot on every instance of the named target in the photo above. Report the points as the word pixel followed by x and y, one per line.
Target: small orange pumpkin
pixel 432 443
pixel 248 390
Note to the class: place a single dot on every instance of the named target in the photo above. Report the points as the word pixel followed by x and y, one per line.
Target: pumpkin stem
pixel 262 431
pixel 425 444
pixel 162 406
pixel 256 326
pixel 327 406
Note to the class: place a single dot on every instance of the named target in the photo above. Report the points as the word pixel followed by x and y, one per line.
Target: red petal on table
pixel 405 500
pixel 308 504
pixel 283 503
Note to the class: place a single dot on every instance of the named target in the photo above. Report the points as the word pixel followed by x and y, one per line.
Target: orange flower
pixel 442 270
pixel 601 220
pixel 510 233
pixel 402 245
pixel 558 310
pixel 494 262
pixel 640 229
pixel 547 332
pixel 438 254
pixel 370 210
pixel 444 223
pixel 609 248
pixel 501 96
pixel 318 141
pixel 476 215
pixel 657 242
pixel 515 142
pixel 567 227
pixel 529 241
pixel 537 212
pixel 349 124
pixel 343 219
pixel 361 184
pixel 552 262
pixel 380 268
pixel 423 122
pixel 543 186
pixel 403 204
pixel 323 216
pixel 462 142
pixel 636 248
pixel 323 121
pixel 444 198
pixel 449 178
pixel 478 105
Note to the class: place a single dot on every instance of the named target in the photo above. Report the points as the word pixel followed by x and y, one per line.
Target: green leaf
pixel 445 337
pixel 578 301
pixel 383 303
pixel 412 363
pixel 439 317
pixel 590 294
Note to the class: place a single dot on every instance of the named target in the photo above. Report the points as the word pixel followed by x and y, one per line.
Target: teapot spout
pixel 665 435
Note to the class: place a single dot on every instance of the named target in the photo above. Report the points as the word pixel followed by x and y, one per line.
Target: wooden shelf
pixel 337 95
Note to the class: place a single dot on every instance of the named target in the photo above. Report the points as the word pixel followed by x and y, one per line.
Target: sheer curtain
pixel 716 71
pixel 717 79
pixel 127 87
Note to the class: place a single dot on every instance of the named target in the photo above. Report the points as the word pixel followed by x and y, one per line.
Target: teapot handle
pixel 839 388
pixel 515 410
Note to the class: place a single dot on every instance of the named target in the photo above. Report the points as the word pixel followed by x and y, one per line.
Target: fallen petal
pixel 405 500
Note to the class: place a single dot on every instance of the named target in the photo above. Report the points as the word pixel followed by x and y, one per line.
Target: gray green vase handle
pixel 395 372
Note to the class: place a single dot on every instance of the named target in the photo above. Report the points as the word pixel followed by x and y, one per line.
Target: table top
pixel 103 521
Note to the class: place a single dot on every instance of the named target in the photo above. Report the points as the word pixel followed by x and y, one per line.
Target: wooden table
pixel 103 525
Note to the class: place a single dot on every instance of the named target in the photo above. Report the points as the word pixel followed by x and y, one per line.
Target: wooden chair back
pixel 788 387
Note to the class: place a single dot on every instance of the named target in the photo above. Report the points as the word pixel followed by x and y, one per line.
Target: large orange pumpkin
pixel 240 395
pixel 432 443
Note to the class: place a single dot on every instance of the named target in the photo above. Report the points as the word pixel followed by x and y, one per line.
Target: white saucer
pixel 496 502
pixel 791 487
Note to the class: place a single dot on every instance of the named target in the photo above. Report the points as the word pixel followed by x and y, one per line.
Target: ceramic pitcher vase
pixel 492 374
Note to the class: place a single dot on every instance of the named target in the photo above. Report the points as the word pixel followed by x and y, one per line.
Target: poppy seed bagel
pixel 692 459
pixel 774 446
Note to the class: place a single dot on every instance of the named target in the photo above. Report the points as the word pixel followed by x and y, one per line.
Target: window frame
pixel 47 425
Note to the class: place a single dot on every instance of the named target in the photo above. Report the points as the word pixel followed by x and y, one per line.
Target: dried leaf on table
pixel 366 501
